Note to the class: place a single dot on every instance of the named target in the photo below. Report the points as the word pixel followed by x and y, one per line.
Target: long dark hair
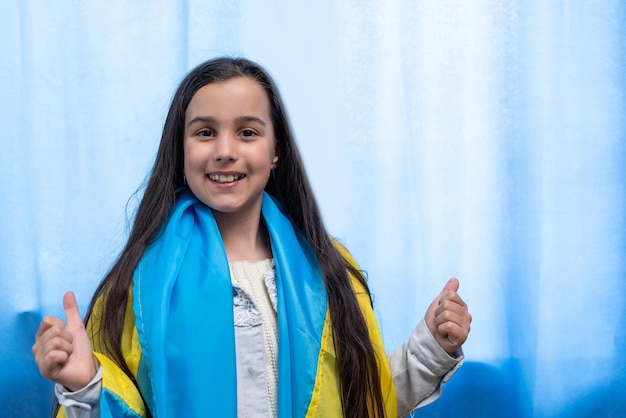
pixel 361 394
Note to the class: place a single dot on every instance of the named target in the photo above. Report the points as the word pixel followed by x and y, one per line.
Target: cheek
pixel 193 157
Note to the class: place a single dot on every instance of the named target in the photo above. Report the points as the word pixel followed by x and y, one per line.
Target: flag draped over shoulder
pixel 179 336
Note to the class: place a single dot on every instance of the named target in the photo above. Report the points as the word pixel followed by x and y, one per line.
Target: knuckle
pixel 49 320
pixel 445 316
pixel 444 328
pixel 56 343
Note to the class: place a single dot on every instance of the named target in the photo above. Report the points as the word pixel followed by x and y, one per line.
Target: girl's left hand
pixel 448 319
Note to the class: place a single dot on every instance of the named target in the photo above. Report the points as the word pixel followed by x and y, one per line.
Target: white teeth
pixel 225 178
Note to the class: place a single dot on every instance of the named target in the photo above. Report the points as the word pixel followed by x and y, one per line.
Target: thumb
pixel 72 315
pixel 452 285
pixel 80 367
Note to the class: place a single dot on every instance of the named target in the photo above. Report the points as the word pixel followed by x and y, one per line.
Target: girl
pixel 230 298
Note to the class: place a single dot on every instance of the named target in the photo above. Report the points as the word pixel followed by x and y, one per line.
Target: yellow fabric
pixel 130 338
pixel 113 378
pixel 325 402
pixel 386 379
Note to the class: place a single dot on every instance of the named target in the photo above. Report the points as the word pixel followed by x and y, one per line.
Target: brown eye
pixel 206 132
pixel 248 133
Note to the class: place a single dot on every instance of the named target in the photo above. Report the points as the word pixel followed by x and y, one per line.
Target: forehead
pixel 234 97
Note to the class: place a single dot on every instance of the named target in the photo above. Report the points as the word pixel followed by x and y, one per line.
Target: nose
pixel 225 148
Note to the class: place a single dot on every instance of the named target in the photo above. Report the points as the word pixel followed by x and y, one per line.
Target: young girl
pixel 230 298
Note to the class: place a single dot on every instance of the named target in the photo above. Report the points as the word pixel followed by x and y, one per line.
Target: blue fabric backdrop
pixel 478 139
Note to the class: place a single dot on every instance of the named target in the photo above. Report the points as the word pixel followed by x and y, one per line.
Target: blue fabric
pixel 184 315
pixel 302 306
pixel 111 406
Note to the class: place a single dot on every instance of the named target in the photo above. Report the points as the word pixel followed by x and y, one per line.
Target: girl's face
pixel 229 146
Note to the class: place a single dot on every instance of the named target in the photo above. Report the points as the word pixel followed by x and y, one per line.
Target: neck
pixel 244 238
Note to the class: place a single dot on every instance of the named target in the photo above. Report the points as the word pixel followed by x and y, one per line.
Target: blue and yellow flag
pixel 179 333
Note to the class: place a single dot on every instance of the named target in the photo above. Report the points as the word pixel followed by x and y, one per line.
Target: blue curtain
pixel 478 139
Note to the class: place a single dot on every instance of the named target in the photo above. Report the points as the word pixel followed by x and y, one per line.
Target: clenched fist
pixel 62 350
pixel 448 319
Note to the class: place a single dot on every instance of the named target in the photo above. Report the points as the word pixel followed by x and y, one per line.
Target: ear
pixel 276 154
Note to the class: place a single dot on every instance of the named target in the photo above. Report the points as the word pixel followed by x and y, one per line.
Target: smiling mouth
pixel 225 178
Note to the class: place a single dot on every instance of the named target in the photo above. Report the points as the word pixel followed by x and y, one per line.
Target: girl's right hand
pixel 62 350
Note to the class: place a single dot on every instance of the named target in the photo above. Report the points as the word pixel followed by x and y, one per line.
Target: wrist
pixel 85 380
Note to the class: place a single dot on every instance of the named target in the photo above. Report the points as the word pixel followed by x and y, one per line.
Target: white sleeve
pixel 420 368
pixel 84 403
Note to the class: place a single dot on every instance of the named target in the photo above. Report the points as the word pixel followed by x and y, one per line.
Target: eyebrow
pixel 240 119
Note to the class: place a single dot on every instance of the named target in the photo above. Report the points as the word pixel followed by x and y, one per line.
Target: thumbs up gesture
pixel 448 319
pixel 62 350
